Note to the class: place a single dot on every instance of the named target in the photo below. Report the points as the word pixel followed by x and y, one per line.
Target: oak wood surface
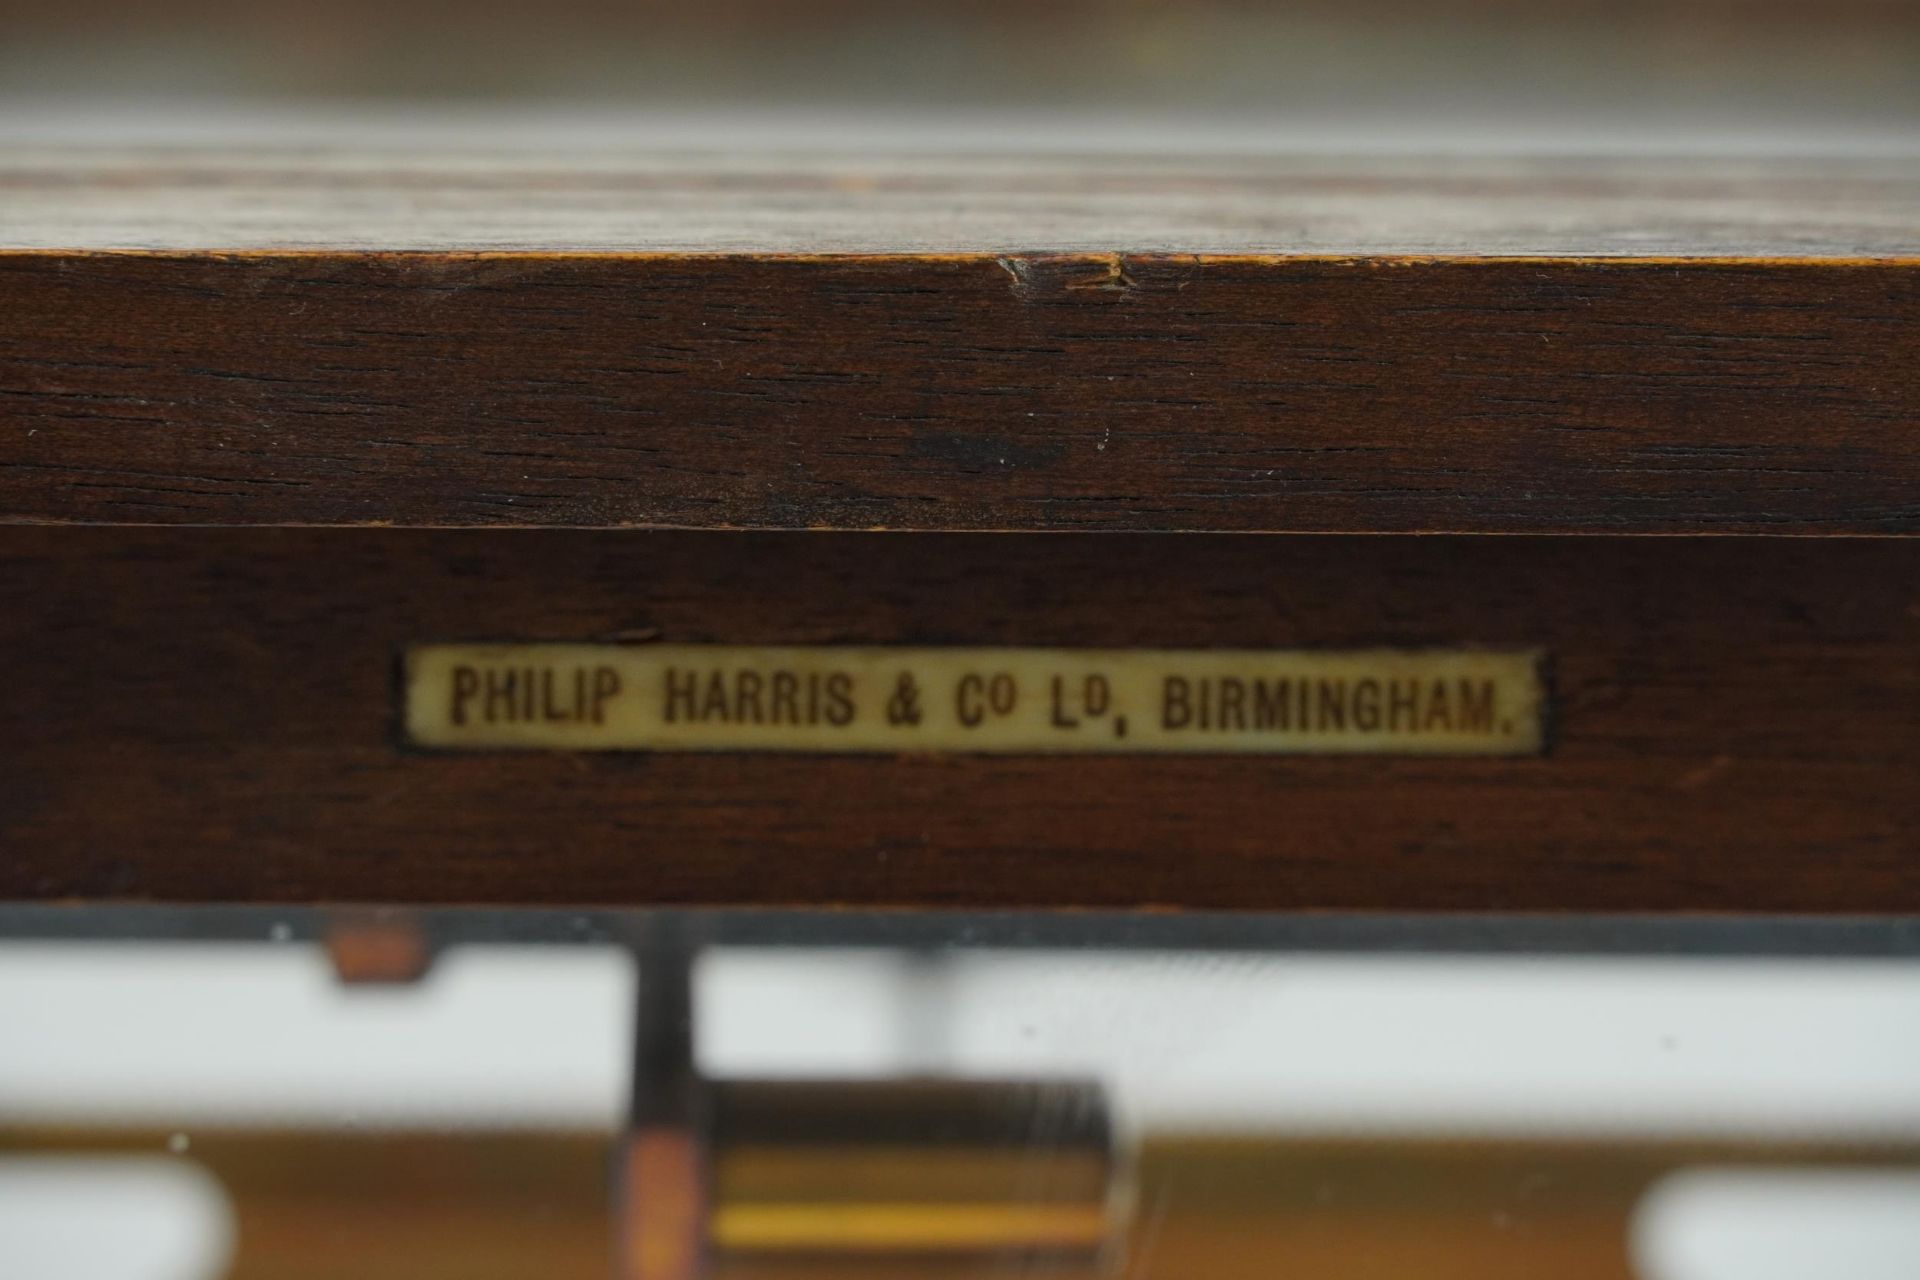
pixel 208 716
pixel 1034 184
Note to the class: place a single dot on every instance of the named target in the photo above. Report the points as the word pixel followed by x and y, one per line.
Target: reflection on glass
pixel 935 1100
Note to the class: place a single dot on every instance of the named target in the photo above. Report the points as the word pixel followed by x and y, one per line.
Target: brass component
pixel 508 1205
pixel 663 1231
pixel 960 1176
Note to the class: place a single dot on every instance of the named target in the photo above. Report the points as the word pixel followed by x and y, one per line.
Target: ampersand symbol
pixel 904 706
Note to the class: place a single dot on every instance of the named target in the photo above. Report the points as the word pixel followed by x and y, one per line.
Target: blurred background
pixel 1624 70
pixel 1585 1101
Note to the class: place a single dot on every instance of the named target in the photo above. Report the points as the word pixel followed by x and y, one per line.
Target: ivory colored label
pixel 589 697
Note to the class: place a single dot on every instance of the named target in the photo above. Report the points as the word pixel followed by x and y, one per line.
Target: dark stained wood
pixel 208 715
pixel 984 391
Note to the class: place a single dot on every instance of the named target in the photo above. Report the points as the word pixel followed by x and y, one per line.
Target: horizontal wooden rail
pixel 212 716
pixel 986 391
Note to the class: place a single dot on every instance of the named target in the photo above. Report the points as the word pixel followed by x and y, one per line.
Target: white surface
pixel 170 1221
pixel 1426 1043
pixel 504 1037
pixel 263 1034
pixel 1790 1224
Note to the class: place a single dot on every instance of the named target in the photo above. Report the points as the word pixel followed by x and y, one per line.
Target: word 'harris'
pixel 999 700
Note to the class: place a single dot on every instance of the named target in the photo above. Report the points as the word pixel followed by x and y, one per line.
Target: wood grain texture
pixel 1008 391
pixel 209 716
pixel 790 184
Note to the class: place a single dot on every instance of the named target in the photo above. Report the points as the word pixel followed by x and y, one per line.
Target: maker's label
pixel 590 697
